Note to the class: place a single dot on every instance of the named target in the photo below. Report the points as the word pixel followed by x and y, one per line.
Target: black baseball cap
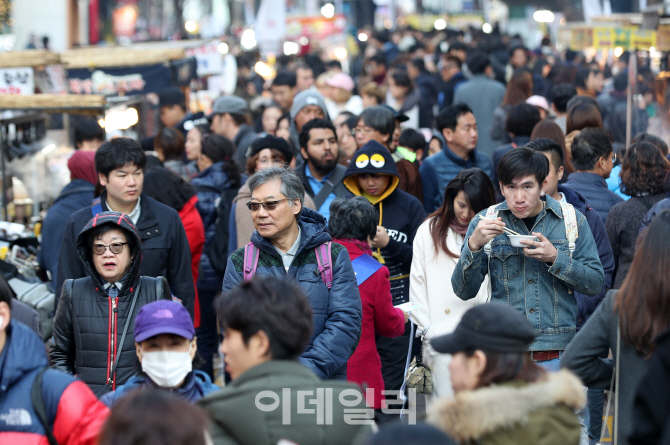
pixel 493 327
pixel 400 117
pixel 171 96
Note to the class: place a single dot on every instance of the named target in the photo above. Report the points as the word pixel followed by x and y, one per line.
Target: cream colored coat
pixel 439 309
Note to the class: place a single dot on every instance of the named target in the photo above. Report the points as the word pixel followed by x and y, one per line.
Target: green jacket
pixel 314 416
pixel 514 413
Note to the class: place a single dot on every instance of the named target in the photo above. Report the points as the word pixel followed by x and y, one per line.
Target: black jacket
pixel 89 324
pixel 165 249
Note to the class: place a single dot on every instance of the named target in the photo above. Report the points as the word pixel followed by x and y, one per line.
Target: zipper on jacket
pixel 112 369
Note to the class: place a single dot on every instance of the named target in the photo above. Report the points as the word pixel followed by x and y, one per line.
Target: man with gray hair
pixel 293 242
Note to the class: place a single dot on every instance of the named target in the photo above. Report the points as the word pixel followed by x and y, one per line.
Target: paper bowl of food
pixel 516 240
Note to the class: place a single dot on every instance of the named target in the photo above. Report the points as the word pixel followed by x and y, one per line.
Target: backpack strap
pixel 251 254
pixel 37 399
pixel 323 260
pixel 491 213
pixel 571 229
pixel 96 206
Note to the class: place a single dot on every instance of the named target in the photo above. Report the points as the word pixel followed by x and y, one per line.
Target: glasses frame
pixel 105 247
pixel 266 204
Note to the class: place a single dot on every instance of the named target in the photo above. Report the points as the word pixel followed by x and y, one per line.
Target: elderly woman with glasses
pixel 93 328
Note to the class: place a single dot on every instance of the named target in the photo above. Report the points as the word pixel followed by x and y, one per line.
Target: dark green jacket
pixel 514 413
pixel 237 419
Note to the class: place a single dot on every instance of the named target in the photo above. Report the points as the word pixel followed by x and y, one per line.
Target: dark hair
pixel 334 64
pixel 118 152
pixel 477 62
pixel 379 59
pixel 352 218
pixel 643 169
pixel 152 416
pixel 6 292
pixel 304 136
pixel 546 145
pixel 560 95
pixel 644 297
pixel 515 48
pixel 521 162
pixel 239 119
pixel 521 119
pixel 653 140
pixel 549 129
pixel 133 246
pixel 285 78
pixel 412 139
pixel 590 145
pixel 620 82
pixel 583 74
pixel 272 305
pixel 453 60
pixel 88 130
pixel 519 88
pixel 221 149
pixel 581 99
pixel 168 188
pixel 457 46
pixel 582 116
pixel 419 64
pixel 448 118
pixel 379 118
pixel 480 194
pixel 505 367
pixel 170 142
pixel 402 79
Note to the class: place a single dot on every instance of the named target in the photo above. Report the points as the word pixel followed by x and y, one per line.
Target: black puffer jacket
pixel 89 324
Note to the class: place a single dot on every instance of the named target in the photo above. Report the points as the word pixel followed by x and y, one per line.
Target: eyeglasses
pixel 364 130
pixel 115 248
pixel 267 205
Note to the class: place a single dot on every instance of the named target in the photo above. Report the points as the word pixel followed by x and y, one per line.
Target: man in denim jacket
pixel 539 280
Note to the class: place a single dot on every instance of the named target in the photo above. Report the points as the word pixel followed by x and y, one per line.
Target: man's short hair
pixel 304 136
pixel 546 145
pixel 412 139
pixel 419 64
pixel 477 62
pixel 515 48
pixel 457 46
pixel 303 66
pixel 522 162
pixel 452 60
pixel 590 145
pixel 291 185
pixel 521 119
pixel 379 59
pixel 352 218
pixel 448 118
pixel 272 305
pixel 285 78
pixel 88 130
pixel 620 82
pixel 116 153
pixel 379 118
pixel 171 143
pixel 560 95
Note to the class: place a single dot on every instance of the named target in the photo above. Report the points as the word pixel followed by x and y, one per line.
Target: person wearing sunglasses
pixel 93 327
pixel 292 242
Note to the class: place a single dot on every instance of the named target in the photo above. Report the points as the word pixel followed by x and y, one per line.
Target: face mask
pixel 167 368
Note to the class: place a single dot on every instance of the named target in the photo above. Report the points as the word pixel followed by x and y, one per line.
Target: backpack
pixel 216 248
pixel 323 259
pixel 569 220
pixel 37 400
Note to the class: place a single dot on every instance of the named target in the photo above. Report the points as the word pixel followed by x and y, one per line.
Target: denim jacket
pixel 543 292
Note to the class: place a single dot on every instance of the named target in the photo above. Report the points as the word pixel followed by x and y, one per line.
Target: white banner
pixel 210 60
pixel 270 26
pixel 17 81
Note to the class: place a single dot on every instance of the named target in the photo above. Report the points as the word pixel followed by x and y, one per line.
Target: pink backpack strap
pixel 323 260
pixel 251 254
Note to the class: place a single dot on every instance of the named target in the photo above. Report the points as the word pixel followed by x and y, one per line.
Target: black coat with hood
pixel 89 324
pixel 165 249
pixel 399 212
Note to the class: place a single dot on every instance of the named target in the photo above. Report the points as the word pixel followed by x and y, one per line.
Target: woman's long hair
pixel 643 302
pixel 168 187
pixel 478 189
pixel 519 88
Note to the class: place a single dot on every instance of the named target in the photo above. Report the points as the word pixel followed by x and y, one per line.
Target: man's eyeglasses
pixel 267 205
pixel 115 248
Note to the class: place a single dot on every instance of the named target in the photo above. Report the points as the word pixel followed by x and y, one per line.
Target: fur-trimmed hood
pixel 471 415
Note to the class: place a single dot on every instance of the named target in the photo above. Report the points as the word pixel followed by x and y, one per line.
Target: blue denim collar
pixel 552 205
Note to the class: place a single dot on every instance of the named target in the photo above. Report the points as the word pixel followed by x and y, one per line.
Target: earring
pixel 542 193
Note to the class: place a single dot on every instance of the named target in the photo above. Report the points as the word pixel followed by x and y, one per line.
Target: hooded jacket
pixel 74 412
pixel 337 312
pixel 514 413
pixel 399 212
pixel 165 249
pixel 89 324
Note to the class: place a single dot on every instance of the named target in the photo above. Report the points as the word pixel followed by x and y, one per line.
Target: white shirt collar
pixel 135 214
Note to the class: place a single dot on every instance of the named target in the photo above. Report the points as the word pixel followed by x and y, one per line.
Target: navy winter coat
pixel 594 188
pixel 74 196
pixel 337 312
pixel 587 305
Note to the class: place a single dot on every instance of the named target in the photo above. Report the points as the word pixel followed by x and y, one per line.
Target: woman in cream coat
pixel 437 247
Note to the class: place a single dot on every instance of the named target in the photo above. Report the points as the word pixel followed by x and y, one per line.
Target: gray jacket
pixel 483 95
pixel 585 357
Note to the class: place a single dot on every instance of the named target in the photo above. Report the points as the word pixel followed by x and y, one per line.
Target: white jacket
pixel 439 309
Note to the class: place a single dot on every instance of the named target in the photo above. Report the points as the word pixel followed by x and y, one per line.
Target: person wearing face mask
pixel 93 326
pixel 165 344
